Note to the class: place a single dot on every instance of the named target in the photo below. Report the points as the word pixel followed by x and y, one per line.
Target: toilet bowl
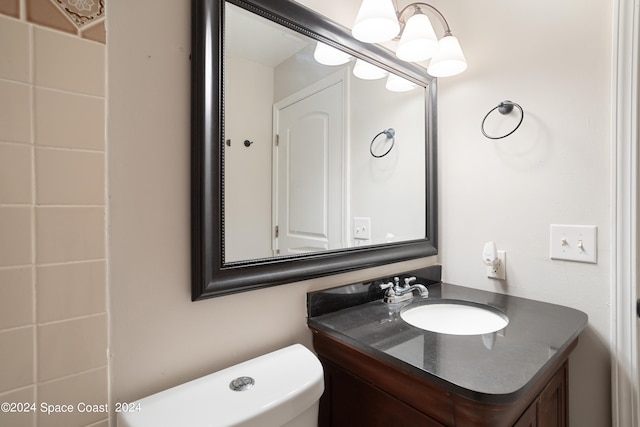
pixel 281 388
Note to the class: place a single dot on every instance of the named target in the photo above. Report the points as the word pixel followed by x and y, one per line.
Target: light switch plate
pixel 361 228
pixel 574 243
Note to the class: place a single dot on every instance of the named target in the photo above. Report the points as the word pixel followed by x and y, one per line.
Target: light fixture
pixel 376 22
pixel 329 55
pixel 418 42
pixel 448 60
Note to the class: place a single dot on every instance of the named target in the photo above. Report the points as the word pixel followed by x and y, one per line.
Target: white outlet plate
pixel 500 271
pixel 361 228
pixel 574 243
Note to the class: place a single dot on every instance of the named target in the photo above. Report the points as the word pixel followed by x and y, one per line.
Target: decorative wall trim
pixel 624 195
pixel 83 18
pixel 82 12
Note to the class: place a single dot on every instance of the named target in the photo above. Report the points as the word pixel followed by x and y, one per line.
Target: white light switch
pixel 574 242
pixel 361 228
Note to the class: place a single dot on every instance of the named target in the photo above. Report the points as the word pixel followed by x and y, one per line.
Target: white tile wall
pixel 88 387
pixel 60 353
pixel 15 173
pixel 69 177
pixel 15 115
pixel 15 63
pixel 15 229
pixel 16 297
pixel 79 125
pixel 53 322
pixel 65 62
pixel 17 354
pixel 84 280
pixel 26 394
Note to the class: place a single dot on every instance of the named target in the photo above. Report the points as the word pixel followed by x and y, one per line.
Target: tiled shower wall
pixel 53 321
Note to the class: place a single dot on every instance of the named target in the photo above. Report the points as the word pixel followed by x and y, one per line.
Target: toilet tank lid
pixel 286 383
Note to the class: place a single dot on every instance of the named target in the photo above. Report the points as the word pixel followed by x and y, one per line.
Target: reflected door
pixel 309 172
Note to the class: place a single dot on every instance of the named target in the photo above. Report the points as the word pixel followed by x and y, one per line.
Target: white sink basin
pixel 455 317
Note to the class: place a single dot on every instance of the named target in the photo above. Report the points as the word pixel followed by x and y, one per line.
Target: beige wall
pixel 53 320
pixel 159 338
pixel 555 169
pixel 53 324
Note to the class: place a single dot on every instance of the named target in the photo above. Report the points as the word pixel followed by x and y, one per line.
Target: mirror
pixel 300 169
pixel 320 185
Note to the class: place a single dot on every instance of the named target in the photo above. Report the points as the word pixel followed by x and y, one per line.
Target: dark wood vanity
pixel 381 371
pixel 361 390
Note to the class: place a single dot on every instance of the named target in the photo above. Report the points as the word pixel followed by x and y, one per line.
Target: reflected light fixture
pixel 329 55
pixel 367 71
pixel 418 42
pixel 396 83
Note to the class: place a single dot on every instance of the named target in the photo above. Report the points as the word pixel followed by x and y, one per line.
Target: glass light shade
pixel 418 41
pixel 396 83
pixel 376 22
pixel 329 55
pixel 366 71
pixel 449 60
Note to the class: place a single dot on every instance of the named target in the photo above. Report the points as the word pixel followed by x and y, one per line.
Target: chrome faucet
pixel 398 293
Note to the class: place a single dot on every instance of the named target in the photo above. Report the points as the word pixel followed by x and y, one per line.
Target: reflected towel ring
pixel 503 108
pixel 390 133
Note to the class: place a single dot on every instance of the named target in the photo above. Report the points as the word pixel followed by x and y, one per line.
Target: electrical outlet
pixel 574 243
pixel 499 271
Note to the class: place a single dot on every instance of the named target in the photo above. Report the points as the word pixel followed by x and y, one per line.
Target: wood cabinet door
pixel 349 401
pixel 552 403
pixel 530 417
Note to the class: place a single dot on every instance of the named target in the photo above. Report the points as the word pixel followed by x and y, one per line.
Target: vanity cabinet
pixel 363 390
pixel 550 407
pixel 351 401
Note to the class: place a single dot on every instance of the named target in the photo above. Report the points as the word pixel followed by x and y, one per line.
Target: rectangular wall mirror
pixel 302 169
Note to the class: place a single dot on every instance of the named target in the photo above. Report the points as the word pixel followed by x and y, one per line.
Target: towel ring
pixel 390 133
pixel 505 107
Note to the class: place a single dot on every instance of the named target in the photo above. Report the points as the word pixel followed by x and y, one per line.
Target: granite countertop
pixel 490 368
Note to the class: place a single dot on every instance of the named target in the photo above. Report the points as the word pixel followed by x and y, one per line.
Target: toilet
pixel 281 388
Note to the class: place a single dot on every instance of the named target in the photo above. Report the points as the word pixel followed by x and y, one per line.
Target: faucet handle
pixel 390 289
pixel 409 280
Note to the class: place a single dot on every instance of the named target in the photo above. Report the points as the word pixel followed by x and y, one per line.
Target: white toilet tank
pixel 282 388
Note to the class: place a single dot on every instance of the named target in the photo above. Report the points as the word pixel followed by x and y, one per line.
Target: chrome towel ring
pixel 390 133
pixel 504 108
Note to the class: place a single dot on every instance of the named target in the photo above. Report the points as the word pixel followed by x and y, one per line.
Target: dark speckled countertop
pixel 491 368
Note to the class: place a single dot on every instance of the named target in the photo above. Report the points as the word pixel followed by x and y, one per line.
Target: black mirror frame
pixel 211 276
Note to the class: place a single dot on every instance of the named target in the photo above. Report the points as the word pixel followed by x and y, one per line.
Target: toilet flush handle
pixel 242 384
